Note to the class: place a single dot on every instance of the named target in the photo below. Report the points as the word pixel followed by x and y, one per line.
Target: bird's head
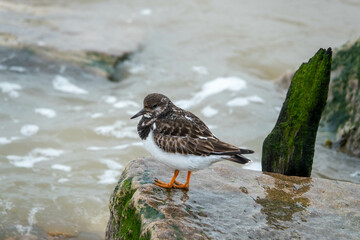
pixel 155 104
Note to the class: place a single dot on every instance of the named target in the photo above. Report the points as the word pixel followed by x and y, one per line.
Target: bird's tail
pixel 237 158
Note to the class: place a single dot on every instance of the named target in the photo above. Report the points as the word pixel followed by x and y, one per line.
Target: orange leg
pixel 186 185
pixel 167 185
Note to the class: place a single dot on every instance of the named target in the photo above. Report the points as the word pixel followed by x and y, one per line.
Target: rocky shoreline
pixel 228 202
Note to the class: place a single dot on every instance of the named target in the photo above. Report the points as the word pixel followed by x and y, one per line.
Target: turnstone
pixel 181 140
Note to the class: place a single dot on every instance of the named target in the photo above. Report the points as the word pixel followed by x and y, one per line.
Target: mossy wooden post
pixel 289 148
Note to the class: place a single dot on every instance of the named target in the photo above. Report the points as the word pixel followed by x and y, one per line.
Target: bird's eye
pixel 154 106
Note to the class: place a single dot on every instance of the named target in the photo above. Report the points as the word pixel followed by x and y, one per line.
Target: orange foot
pixel 173 183
pixel 162 184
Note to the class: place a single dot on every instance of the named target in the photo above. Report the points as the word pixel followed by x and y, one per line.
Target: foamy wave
pixel 124 104
pixel 240 102
pixel 146 12
pixel 61 167
pixel 200 70
pixel 26 230
pixel 47 112
pixel 109 99
pixel 109 177
pixel 29 130
pixel 64 85
pixel 63 180
pixel 6 206
pixel 117 130
pixel 10 89
pixel 96 115
pixel 137 69
pixel 35 156
pixel 213 87
pixel 355 174
pixel 5 140
pixel 118 147
pixel 18 69
pixel 208 111
pixel 112 164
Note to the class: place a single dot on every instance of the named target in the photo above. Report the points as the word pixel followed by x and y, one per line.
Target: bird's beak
pixel 142 112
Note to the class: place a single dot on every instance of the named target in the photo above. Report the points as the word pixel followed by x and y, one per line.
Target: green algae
pixel 127 220
pixel 289 148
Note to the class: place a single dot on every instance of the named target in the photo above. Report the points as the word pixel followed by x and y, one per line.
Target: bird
pixel 179 139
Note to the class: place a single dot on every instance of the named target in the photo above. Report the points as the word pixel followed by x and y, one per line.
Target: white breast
pixel 176 160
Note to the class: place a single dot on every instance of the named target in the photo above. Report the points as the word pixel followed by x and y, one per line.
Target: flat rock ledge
pixel 228 202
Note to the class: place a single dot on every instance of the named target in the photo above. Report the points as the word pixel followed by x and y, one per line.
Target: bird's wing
pixel 185 137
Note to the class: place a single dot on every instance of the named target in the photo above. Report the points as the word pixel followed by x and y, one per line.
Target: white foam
pixel 29 130
pixel 6 206
pixel 200 70
pixel 17 69
pixel 137 69
pixel 213 87
pixel 256 99
pixel 120 147
pixel 10 89
pixel 3 67
pixel 26 230
pixel 146 12
pixel 95 148
pixel 49 152
pixel 32 214
pixel 137 144
pixel 5 140
pixel 240 102
pixel 62 84
pixel 117 130
pixel 96 115
pixel 109 177
pixel 112 164
pixel 124 104
pixel 109 99
pixel 35 156
pixel 47 112
pixel 61 167
pixel 208 111
pixel 63 180
pixel 355 174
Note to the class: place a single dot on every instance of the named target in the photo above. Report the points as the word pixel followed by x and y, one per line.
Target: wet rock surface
pixel 228 202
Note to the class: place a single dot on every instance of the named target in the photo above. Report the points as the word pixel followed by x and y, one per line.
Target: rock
pixel 44 58
pixel 289 148
pixel 228 202
pixel 342 112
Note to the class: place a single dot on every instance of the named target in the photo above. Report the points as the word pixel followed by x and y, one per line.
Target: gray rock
pixel 228 202
pixel 342 112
